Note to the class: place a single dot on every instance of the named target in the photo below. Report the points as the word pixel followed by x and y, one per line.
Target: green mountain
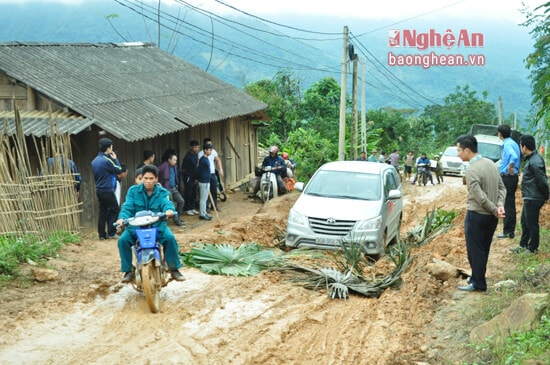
pixel 242 49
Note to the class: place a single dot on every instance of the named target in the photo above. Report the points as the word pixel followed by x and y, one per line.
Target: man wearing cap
pixel 106 168
pixel 278 166
pixel 372 157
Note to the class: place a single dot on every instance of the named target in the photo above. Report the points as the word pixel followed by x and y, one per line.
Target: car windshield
pixel 345 185
pixel 489 150
pixel 451 151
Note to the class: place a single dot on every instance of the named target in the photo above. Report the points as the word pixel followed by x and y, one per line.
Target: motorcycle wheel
pixel 150 275
pixel 266 192
pixel 222 196
pixel 424 179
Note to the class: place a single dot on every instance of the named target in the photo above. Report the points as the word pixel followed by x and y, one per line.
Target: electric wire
pixel 226 41
pixel 205 33
pixel 379 67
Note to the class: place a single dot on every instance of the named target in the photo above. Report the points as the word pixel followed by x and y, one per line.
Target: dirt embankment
pixel 89 317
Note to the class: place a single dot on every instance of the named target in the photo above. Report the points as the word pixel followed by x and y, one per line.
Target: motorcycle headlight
pixel 374 223
pixel 297 218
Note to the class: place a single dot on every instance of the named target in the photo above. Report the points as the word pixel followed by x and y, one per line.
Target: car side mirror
pixel 299 186
pixel 395 194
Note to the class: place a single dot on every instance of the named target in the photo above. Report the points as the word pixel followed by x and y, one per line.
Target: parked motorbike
pixel 151 273
pixel 422 171
pixel 268 184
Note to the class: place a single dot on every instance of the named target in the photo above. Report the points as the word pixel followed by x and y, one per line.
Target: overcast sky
pixel 388 9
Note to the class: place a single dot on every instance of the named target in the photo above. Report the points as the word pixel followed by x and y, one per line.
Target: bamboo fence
pixel 43 201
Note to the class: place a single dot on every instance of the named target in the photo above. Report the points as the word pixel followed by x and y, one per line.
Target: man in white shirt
pixel 215 163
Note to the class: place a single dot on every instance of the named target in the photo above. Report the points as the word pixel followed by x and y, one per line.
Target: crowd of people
pixel 156 188
pixel 409 162
pixel 491 193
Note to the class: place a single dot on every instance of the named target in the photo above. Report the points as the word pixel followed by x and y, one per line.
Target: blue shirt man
pixel 148 196
pixel 509 171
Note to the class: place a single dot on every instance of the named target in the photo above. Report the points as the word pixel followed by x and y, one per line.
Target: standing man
pixel 362 156
pixel 106 168
pixel 119 178
pixel 509 173
pixel 189 171
pixel 382 157
pixel 409 161
pixel 169 178
pixel 203 175
pixel 148 158
pixel 215 162
pixel 534 189
pixel 372 157
pixel 485 205
pixel 148 196
pixel 394 160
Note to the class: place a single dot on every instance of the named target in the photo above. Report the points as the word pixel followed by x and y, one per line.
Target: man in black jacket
pixel 535 191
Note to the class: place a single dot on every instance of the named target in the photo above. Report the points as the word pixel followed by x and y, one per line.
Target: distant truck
pixel 488 143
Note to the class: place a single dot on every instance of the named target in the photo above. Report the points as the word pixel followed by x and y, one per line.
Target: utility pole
pixel 342 130
pixel 354 109
pixel 499 110
pixel 363 108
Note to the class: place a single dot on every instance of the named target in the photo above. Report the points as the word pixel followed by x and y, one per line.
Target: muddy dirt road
pixel 89 317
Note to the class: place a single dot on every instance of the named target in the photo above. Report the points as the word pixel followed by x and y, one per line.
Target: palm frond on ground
pixel 339 284
pixel 224 259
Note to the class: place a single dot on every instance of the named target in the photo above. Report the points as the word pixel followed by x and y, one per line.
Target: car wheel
pixel 395 239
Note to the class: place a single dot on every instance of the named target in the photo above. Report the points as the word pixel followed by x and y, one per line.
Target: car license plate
pixel 328 241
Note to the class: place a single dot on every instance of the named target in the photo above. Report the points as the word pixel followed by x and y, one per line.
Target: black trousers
pixel 213 190
pixel 509 222
pixel 479 230
pixel 108 213
pixel 189 193
pixel 530 235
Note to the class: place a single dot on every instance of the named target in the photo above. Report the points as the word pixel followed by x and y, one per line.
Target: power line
pixel 225 41
pixel 267 59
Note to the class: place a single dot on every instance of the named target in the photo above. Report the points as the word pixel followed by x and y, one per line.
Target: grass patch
pixel 17 250
pixel 531 273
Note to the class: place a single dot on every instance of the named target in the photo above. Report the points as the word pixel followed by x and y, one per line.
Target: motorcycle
pixel 151 273
pixel 422 172
pixel 268 184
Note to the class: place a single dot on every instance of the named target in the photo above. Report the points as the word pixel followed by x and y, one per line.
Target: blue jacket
pixel 138 200
pixel 275 162
pixel 203 171
pixel 105 170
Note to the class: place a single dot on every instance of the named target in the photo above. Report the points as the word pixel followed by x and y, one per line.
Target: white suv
pixel 348 201
pixel 451 163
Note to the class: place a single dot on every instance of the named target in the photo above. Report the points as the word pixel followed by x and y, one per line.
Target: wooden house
pixel 134 93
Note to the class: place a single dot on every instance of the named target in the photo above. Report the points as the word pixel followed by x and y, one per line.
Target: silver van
pixel 348 201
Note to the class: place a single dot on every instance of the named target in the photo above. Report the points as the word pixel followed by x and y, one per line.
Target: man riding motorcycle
pixel 278 167
pixel 423 162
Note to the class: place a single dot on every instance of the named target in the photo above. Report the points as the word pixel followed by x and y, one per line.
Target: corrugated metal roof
pixel 133 91
pixel 37 123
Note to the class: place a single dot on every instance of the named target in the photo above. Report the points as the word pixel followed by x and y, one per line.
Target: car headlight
pixel 297 218
pixel 374 223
